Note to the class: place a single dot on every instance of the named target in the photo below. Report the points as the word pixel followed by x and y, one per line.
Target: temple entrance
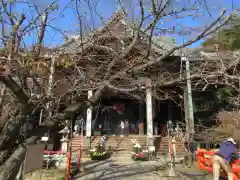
pixel 112 111
pixel 167 110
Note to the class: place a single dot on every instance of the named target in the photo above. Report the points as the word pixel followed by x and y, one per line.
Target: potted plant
pixel 136 148
pixel 98 153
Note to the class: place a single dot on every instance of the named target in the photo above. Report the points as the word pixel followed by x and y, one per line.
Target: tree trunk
pixel 10 169
pixel 16 89
pixel 11 129
pixel 4 155
pixel 9 135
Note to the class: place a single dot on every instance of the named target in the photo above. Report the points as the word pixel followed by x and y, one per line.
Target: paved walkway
pixel 127 170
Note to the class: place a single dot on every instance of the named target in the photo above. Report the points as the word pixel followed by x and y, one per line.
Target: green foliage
pixel 207 101
pixel 227 38
pixel 223 94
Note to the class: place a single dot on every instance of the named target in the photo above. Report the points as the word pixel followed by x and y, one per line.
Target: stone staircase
pixel 77 142
pixel 163 145
pixel 122 146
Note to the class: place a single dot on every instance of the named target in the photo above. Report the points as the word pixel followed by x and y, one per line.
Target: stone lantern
pixel 65 138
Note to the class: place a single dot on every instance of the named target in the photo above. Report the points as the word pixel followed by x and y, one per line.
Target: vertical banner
pixel 89 117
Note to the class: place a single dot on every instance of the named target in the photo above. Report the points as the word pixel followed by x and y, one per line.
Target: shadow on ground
pixel 112 170
pixel 106 170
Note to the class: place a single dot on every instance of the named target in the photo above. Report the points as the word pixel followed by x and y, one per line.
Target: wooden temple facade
pixel 147 99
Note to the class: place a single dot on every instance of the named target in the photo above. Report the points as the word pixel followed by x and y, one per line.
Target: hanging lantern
pixel 119 108
pixel 115 107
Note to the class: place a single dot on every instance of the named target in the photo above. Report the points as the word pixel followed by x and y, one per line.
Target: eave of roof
pixel 159 45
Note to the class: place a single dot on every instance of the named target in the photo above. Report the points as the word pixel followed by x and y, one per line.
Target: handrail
pixel 204 162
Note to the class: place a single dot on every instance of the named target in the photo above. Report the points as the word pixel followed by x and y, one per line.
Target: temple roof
pixel 120 25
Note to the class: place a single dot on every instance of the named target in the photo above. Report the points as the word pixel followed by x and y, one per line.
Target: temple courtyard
pixel 130 170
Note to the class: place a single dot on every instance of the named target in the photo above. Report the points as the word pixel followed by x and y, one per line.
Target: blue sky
pixel 66 21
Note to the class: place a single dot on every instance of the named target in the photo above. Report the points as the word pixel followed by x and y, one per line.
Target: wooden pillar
pixel 149 111
pixel 89 117
pixel 141 115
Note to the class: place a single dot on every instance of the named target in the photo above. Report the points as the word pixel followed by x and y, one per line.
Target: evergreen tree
pixel 227 38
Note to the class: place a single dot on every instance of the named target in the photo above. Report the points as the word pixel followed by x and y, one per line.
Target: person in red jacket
pixel 222 159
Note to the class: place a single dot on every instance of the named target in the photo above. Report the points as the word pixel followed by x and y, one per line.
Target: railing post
pixel 69 165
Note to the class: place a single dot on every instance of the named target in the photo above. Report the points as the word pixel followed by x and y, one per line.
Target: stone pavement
pixel 127 170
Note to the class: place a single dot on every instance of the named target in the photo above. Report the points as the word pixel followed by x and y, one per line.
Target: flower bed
pixel 99 156
pixel 54 160
pixel 99 153
pixel 137 152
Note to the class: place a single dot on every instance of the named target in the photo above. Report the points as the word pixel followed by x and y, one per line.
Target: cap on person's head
pixel 231 140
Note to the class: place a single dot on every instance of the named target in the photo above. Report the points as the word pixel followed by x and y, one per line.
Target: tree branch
pixel 12 40
pixel 16 89
pixel 41 33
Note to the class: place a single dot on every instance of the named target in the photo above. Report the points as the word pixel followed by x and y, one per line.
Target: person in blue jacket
pixel 223 157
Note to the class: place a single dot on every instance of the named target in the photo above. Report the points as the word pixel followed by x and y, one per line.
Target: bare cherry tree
pixel 112 58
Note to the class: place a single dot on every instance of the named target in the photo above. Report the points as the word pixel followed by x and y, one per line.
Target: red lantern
pixel 119 107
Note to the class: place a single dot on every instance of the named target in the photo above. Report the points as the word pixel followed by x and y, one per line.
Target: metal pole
pixel 68 177
pixel 186 113
pixel 171 171
pixel 189 94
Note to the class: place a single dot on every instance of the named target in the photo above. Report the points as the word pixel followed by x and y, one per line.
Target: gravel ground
pixel 130 170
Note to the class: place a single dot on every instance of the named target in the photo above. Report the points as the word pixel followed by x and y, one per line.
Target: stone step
pixel 126 144
pixel 116 138
pixel 178 146
pixel 116 142
pixel 120 140
pixel 127 153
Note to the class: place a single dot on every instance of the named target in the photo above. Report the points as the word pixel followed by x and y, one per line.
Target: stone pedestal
pixel 87 142
pixel 64 145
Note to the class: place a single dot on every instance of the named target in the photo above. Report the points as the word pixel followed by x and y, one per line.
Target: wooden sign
pixel 34 157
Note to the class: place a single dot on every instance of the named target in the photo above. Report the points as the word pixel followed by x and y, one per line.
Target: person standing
pixel 126 126
pixel 133 129
pixel 141 128
pixel 122 128
pixel 223 157
pixel 155 129
pixel 77 126
pixel 137 127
